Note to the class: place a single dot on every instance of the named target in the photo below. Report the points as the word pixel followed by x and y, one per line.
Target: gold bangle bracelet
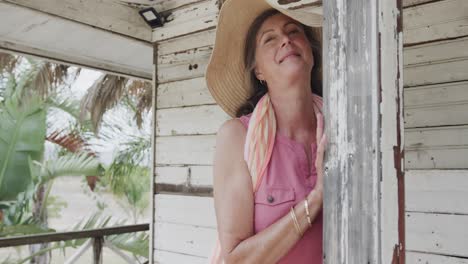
pixel 306 205
pixel 296 223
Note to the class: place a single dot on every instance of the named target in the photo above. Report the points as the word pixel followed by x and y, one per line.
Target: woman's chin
pixel 294 70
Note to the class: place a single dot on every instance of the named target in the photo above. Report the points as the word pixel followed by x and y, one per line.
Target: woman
pixel 268 177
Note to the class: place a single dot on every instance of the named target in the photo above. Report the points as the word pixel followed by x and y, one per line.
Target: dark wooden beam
pixel 63 236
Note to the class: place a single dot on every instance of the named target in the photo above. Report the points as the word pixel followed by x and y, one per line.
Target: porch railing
pixel 96 241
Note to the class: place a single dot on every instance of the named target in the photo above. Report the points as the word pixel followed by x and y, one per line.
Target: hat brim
pixel 225 75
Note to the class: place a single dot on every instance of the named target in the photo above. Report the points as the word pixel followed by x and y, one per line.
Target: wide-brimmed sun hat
pixel 226 76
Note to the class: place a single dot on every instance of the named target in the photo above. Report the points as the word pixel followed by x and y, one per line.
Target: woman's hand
pixel 321 145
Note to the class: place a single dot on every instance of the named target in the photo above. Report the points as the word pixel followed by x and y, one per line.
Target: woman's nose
pixel 285 40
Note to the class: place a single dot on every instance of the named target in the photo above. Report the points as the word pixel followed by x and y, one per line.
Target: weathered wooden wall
pixel 436 131
pixel 187 120
pixel 364 194
pixel 436 126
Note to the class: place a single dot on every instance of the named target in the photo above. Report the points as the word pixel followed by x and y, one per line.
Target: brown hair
pixel 258 89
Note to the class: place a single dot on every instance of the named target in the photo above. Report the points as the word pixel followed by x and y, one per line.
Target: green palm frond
pixel 143 92
pixel 102 96
pixel 135 243
pixel 128 164
pixel 70 165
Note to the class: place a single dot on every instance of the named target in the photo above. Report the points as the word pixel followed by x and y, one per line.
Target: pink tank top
pixel 286 183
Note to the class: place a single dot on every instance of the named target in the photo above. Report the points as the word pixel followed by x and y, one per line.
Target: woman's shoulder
pixel 233 131
pixel 231 128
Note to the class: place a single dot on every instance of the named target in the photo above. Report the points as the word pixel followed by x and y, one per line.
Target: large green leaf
pixel 22 136
pixel 70 165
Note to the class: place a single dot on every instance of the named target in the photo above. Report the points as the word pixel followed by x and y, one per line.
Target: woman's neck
pixel 295 117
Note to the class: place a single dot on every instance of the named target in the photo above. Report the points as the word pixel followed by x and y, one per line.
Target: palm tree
pixel 23 172
pixel 36 80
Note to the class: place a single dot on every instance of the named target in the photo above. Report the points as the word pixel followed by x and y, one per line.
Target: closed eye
pixel 268 39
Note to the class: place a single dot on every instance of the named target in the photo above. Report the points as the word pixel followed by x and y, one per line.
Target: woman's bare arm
pixel 234 204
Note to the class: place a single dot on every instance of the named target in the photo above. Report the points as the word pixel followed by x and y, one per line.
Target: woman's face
pixel 282 50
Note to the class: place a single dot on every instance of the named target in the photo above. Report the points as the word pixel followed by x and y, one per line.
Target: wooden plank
pixel 361 103
pixel 198 39
pixel 437 158
pixel 168 5
pixel 201 175
pixel 65 236
pixel 185 210
pixel 437 191
pixel 435 21
pixel 407 3
pixel 437 233
pixel 436 52
pixel 183 71
pixel 188 19
pixel 301 4
pixel 189 92
pixel 185 239
pixel 184 64
pixel 104 14
pixel 194 120
pixel 437 72
pixel 166 257
pixel 172 175
pixel 193 175
pixel 389 124
pixel 438 94
pixel 437 148
pixel 436 115
pixel 425 258
pixel 26 31
pixel 436 137
pixel 189 150
pixel 183 56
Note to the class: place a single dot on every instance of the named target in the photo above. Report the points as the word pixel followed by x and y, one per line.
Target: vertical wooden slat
pixel 392 189
pixel 154 107
pixel 97 250
pixel 362 95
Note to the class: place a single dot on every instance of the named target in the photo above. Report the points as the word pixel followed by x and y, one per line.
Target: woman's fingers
pixel 319 131
pixel 321 152
pixel 319 160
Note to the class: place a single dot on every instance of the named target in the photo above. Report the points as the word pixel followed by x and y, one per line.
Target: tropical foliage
pixel 29 93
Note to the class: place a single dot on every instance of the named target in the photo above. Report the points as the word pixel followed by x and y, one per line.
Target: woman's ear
pixel 258 74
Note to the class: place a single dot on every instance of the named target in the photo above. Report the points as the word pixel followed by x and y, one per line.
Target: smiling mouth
pixel 296 55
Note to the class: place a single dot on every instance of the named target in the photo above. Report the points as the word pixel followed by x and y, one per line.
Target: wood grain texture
pixel 437 191
pixel 185 150
pixel 189 92
pixel 353 32
pixel 435 21
pixel 437 233
pixel 104 14
pixel 35 33
pixel 188 19
pixel 427 258
pixel 194 120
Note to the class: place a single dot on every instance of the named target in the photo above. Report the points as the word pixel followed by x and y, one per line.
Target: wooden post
pixel 154 107
pixel 364 201
pixel 97 250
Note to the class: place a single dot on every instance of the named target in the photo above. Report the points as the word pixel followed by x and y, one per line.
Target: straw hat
pixel 226 77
